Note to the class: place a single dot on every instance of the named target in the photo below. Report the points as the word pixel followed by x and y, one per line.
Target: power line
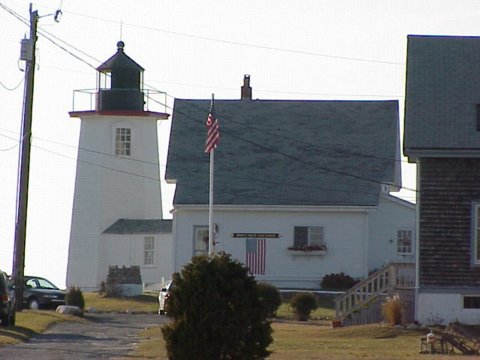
pixel 243 44
pixel 228 177
pixel 48 36
pixel 286 155
pixel 14 88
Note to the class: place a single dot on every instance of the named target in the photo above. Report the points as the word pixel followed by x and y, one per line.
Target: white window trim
pixel 133 133
pixel 309 240
pixel 130 142
pixel 152 250
pixel 411 244
pixel 194 240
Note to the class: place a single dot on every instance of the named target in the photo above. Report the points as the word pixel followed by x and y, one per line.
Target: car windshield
pixel 37 283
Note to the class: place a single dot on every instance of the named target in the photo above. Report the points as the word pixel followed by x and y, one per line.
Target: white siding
pixel 391 215
pixel 127 250
pixel 444 308
pixel 103 195
pixel 358 239
pixel 344 234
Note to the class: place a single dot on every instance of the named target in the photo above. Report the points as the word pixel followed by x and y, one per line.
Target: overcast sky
pixel 318 49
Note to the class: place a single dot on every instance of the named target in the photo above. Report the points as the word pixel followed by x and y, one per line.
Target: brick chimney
pixel 246 89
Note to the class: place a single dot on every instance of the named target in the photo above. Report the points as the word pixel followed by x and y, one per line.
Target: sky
pixel 304 49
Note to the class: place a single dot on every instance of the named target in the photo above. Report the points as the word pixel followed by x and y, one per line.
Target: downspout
pixel 174 242
pixel 417 241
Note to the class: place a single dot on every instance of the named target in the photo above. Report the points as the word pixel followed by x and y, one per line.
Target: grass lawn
pixel 292 339
pixel 309 341
pixel 315 339
pixel 147 303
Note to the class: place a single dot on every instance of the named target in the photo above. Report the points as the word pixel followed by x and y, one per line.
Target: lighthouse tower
pixel 117 185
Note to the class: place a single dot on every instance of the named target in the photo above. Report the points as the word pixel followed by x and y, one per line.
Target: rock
pixel 413 326
pixel 69 310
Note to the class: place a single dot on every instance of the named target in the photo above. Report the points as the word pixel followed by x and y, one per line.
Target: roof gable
pixel 275 152
pixel 442 93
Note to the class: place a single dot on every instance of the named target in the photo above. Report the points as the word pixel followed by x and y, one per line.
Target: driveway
pixel 104 336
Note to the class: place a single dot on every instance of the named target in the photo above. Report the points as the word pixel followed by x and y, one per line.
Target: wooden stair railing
pixel 392 276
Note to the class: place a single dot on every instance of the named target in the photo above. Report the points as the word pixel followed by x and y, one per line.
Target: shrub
pixel 303 304
pixel 74 297
pixel 216 312
pixel 393 309
pixel 338 281
pixel 270 298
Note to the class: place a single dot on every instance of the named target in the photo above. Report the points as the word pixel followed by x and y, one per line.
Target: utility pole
pixel 28 54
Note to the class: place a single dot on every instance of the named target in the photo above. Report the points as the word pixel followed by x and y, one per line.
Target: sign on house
pixel 256 235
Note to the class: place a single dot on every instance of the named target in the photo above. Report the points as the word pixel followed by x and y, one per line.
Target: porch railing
pixel 391 277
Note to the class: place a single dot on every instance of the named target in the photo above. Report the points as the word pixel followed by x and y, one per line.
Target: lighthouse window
pixel 123 141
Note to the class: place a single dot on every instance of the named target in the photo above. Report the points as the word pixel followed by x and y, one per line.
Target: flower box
pixel 308 250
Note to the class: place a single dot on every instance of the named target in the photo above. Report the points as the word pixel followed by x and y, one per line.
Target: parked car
pixel 7 301
pixel 40 293
pixel 163 297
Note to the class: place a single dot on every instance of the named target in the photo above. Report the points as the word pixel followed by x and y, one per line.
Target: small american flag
pixel 255 256
pixel 213 129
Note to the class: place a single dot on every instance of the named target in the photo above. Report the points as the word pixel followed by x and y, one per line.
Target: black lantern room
pixel 120 83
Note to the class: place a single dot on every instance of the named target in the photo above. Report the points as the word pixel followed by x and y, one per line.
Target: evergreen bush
pixel 216 312
pixel 303 304
pixel 270 298
pixel 74 297
pixel 339 281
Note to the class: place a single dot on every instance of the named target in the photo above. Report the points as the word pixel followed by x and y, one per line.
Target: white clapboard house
pixel 301 188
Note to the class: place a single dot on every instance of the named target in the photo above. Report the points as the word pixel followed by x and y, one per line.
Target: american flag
pixel 213 134
pixel 255 256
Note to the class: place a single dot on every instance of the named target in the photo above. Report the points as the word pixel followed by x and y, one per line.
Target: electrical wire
pixel 286 155
pixel 11 89
pixel 243 44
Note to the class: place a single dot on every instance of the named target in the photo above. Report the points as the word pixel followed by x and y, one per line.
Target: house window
pixel 471 302
pixel 123 141
pixel 200 240
pixel 149 250
pixel 404 241
pixel 308 236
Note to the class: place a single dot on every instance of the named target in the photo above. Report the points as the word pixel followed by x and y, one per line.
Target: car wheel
pixel 33 304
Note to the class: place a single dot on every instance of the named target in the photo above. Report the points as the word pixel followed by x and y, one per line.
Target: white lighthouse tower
pixel 117 207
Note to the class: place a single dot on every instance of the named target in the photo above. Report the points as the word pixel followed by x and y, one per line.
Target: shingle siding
pixel 448 186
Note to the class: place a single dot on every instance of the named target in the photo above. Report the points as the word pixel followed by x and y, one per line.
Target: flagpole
pixel 211 240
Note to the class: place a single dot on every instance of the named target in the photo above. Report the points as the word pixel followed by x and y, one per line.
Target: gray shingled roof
pixel 442 93
pixel 139 227
pixel 276 152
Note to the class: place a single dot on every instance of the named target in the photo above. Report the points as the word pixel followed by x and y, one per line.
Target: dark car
pixel 7 302
pixel 40 293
